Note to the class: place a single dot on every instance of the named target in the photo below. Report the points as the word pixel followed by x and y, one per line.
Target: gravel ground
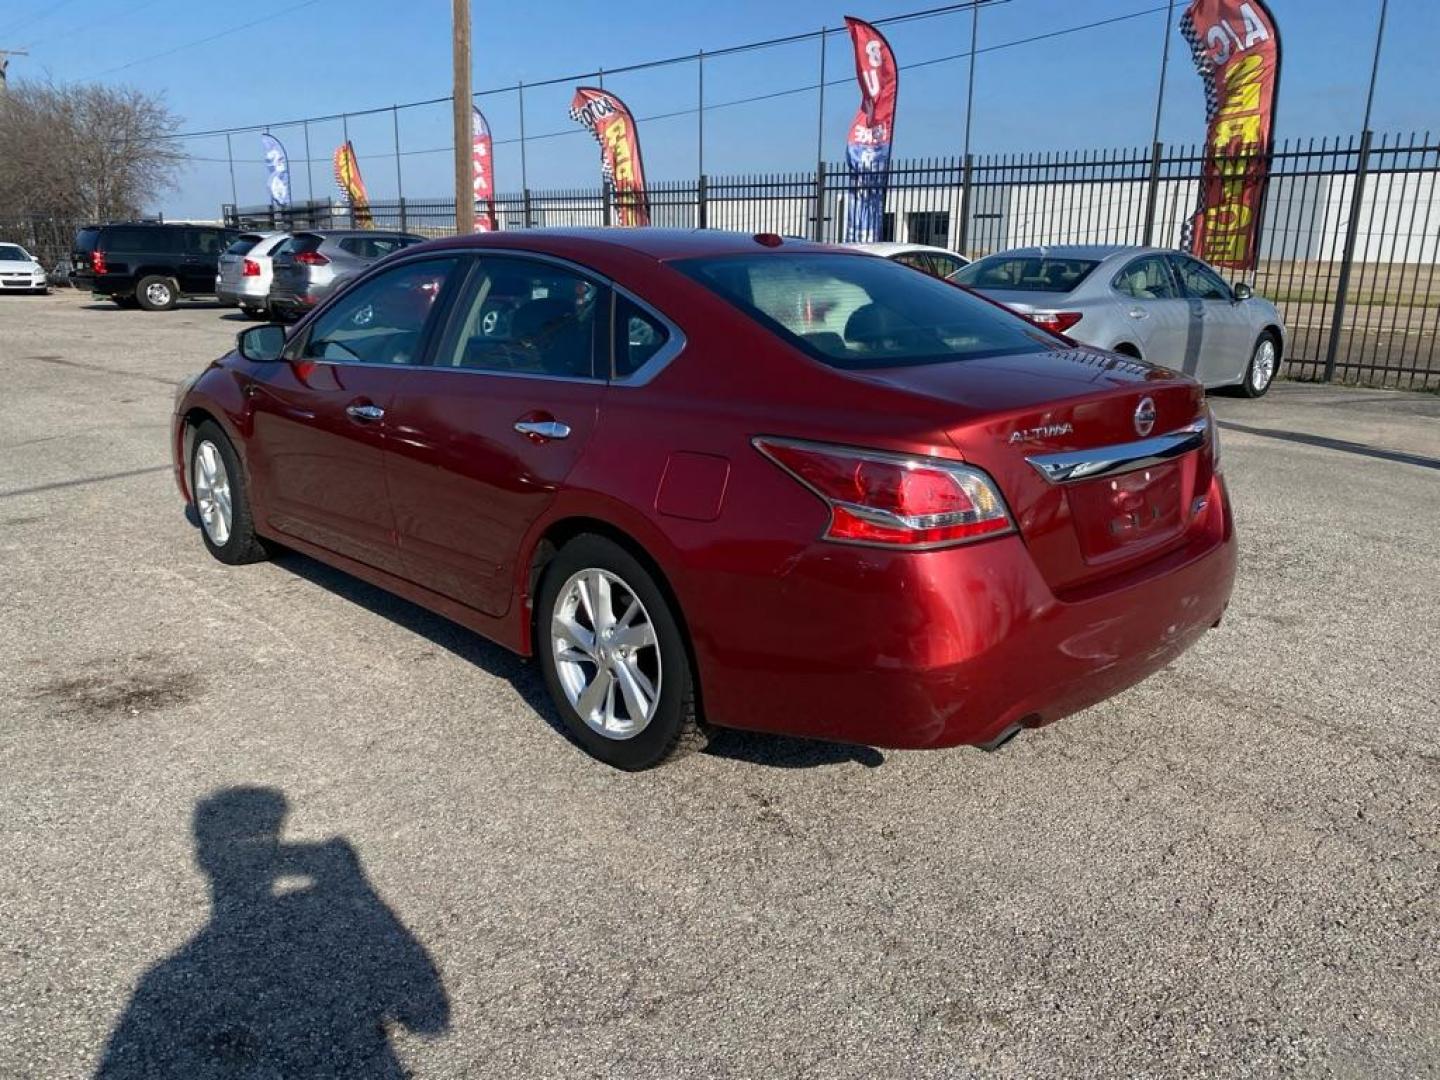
pixel 1230 870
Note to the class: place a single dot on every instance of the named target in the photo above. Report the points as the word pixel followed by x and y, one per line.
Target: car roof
pixel 894 247
pixel 659 244
pixel 1097 252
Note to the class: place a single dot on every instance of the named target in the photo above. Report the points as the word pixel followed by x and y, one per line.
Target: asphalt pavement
pixel 267 820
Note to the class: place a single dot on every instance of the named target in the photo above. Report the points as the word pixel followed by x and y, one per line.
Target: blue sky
pixel 1087 90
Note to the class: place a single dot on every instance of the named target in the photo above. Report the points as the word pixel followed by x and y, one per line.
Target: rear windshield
pixel 298 243
pixel 243 244
pixel 85 239
pixel 12 253
pixel 856 312
pixel 1026 273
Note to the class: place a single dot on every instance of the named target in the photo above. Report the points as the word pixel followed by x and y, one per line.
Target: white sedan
pixel 935 261
pixel 20 271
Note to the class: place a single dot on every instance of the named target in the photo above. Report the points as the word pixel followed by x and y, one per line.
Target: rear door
pixel 322 418
pixel 1225 337
pixel 486 435
pixel 201 260
pixel 1153 314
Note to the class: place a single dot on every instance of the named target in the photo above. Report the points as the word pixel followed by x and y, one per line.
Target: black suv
pixel 149 265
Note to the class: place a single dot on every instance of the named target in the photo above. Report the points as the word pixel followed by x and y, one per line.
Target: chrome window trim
pixel 1070 466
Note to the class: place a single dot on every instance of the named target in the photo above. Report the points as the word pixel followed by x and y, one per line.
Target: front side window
pixel 373 247
pixel 856 312
pixel 1026 273
pixel 527 317
pixel 1199 281
pixel 382 320
pixel 207 241
pixel 1146 279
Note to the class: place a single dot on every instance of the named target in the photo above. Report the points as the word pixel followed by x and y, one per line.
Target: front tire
pixel 156 293
pixel 222 499
pixel 614 657
pixel 1264 365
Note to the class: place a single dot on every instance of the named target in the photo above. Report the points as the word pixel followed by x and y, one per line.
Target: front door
pixel 321 419
pixel 201 261
pixel 1226 338
pixel 1156 318
pixel 484 437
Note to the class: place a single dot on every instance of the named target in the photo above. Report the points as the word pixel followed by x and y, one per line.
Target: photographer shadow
pixel 302 969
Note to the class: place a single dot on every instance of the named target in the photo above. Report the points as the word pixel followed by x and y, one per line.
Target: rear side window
pixel 1026 273
pixel 206 241
pixel 141 241
pixel 85 239
pixel 638 337
pixel 524 317
pixel 857 312
pixel 1146 279
pixel 243 243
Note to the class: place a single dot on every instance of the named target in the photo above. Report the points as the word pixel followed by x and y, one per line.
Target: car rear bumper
pixel 958 646
pixel 243 293
pixel 294 302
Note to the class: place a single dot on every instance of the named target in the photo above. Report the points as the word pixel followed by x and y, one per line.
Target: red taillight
pixel 97 261
pixel 1058 321
pixel 250 269
pixel 311 258
pixel 893 499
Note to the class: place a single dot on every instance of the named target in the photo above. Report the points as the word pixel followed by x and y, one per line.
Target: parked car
pixel 149 265
pixel 938 525
pixel 309 265
pixel 1150 303
pixel 935 261
pixel 246 271
pixel 20 271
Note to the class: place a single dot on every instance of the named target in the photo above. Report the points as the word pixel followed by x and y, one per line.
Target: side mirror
pixel 261 344
pixel 1242 291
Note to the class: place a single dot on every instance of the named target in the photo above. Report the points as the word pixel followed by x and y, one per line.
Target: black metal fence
pixel 1350 236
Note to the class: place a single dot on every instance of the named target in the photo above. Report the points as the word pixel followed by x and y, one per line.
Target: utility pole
pixel 5 55
pixel 464 130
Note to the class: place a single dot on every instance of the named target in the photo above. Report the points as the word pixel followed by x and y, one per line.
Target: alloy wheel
pixel 212 492
pixel 158 293
pixel 607 655
pixel 1262 368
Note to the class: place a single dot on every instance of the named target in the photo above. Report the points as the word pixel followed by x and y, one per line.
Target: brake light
pixel 97 261
pixel 1058 321
pixel 893 500
pixel 311 258
pixel 250 269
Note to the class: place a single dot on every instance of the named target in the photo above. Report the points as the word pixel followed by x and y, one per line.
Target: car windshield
pixel 1026 273
pixel 856 312
pixel 13 253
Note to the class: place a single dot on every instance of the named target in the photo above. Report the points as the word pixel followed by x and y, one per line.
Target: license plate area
pixel 1121 515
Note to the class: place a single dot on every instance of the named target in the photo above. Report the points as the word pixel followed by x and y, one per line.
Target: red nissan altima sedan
pixel 738 480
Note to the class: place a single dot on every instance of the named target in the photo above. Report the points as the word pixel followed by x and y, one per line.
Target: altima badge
pixel 1144 417
pixel 1044 431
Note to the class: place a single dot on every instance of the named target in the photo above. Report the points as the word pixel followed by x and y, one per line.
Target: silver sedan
pixel 1159 305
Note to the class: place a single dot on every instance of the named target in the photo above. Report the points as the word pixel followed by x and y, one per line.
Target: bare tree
pixel 84 151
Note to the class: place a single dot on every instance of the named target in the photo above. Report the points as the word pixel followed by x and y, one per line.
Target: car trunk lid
pixel 1101 459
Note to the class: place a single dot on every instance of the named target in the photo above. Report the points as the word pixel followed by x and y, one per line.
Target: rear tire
pixel 1263 367
pixel 222 498
pixel 640 666
pixel 157 293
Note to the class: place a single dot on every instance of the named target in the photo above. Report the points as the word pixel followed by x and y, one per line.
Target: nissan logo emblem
pixel 1144 417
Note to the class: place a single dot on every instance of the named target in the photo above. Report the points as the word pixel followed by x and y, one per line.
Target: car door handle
pixel 1138 313
pixel 543 430
pixel 365 413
